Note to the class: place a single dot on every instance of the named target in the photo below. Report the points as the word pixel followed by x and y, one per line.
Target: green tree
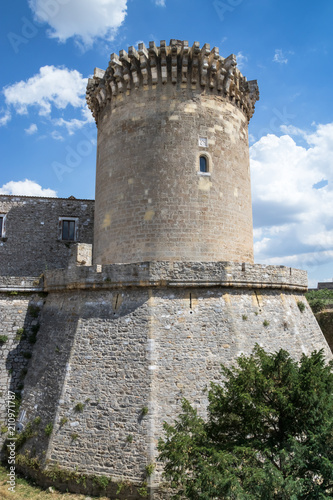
pixel 268 433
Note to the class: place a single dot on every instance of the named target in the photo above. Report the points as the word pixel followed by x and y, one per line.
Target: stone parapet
pixel 21 284
pixel 177 274
pixel 190 67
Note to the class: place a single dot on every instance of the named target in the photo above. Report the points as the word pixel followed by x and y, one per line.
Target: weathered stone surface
pixel 31 243
pixel 117 351
pixel 152 201
pixel 189 274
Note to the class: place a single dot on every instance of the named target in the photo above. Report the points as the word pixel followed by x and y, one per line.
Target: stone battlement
pixel 177 274
pixel 193 67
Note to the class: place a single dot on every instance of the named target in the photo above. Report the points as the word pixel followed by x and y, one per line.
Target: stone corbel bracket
pixel 195 68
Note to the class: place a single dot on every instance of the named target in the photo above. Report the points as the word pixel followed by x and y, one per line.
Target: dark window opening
pixel 1 226
pixel 203 164
pixel 68 230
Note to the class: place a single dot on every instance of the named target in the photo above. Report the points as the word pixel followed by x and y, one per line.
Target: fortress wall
pixel 31 243
pixel 233 274
pixel 19 319
pixel 92 349
pixel 119 349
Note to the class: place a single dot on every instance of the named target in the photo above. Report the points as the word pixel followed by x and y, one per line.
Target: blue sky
pixel 50 47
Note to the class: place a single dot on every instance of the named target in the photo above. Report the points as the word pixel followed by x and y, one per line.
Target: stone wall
pixel 152 200
pixel 190 274
pixel 125 338
pixel 19 323
pixel 32 240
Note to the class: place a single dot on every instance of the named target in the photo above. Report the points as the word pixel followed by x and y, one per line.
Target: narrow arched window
pixel 203 164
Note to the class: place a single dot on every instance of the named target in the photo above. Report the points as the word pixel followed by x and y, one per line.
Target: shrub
pixel 144 411
pixel 150 469
pixel 3 339
pixel 318 299
pixel 79 407
pixel 48 429
pixel 268 432
pixel 301 305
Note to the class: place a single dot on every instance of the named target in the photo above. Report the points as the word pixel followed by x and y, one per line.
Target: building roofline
pixel 43 197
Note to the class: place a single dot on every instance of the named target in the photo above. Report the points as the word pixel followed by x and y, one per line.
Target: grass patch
pixel 27 489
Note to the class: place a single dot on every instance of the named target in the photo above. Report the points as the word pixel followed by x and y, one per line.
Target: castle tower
pixel 173 178
pixel 173 291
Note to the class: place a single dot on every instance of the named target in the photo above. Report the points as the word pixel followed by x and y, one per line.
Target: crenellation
pixel 199 68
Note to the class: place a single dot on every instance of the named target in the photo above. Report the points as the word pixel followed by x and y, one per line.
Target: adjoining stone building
pixel 172 291
pixel 36 233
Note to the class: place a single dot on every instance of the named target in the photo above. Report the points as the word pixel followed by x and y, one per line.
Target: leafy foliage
pixel 269 433
pixel 318 299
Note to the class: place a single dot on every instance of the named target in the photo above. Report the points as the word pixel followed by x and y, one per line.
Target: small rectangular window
pixel 68 230
pixel 2 225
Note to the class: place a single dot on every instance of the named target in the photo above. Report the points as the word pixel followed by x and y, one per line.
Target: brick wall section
pixel 31 244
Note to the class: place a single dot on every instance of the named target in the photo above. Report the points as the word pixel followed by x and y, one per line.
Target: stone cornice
pixel 200 69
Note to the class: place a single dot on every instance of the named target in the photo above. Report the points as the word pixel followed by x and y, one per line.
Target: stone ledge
pixel 21 284
pixel 176 274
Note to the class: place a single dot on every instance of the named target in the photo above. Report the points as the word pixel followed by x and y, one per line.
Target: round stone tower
pixel 173 178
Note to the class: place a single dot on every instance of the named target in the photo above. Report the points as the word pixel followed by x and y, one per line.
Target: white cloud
pixel 56 135
pixel 83 19
pixel 291 130
pixel 32 129
pixel 292 215
pixel 241 60
pixel 59 87
pixel 26 188
pixel 160 3
pixel 76 124
pixel 279 57
pixel 4 119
